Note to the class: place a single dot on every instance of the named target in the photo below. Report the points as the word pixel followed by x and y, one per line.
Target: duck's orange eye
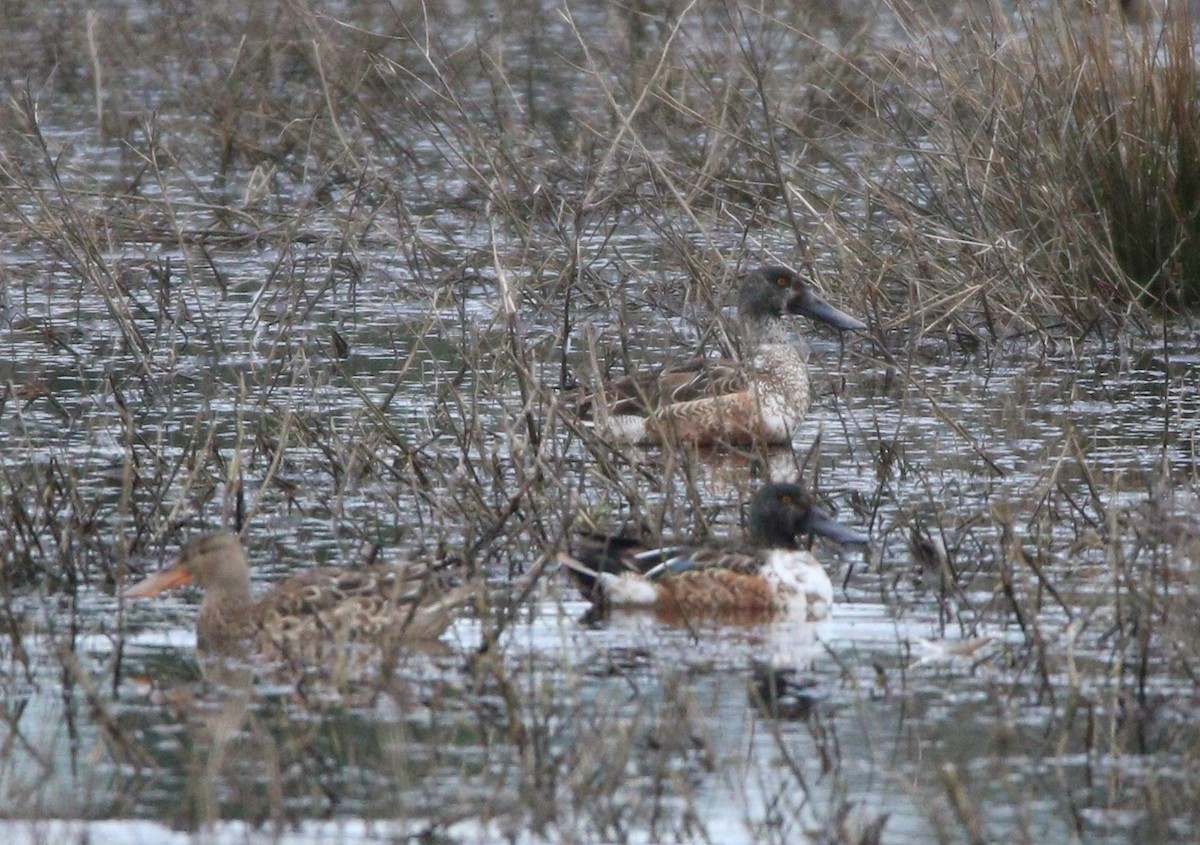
pixel 783 281
pixel 786 499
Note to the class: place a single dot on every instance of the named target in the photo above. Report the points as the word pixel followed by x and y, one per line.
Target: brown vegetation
pixel 331 270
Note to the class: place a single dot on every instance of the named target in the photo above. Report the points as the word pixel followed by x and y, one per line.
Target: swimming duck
pixel 712 401
pixel 301 614
pixel 767 576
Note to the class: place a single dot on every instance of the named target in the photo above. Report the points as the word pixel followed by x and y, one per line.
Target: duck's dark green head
pixel 782 512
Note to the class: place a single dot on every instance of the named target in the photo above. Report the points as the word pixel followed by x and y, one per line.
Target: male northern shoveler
pixel 322 606
pixel 710 401
pixel 769 575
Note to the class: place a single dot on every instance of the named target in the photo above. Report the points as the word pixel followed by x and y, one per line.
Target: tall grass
pixel 1053 167
pixel 334 274
pixel 1137 126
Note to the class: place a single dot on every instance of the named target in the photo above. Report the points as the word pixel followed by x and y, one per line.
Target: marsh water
pixel 738 734
pixel 1010 659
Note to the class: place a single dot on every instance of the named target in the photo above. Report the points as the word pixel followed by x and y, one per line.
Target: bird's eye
pixel 786 499
pixel 783 281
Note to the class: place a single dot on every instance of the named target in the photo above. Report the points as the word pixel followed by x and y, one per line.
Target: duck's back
pixel 369 604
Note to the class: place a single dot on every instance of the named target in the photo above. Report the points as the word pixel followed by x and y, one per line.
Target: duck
pixel 765 577
pixel 303 614
pixel 719 401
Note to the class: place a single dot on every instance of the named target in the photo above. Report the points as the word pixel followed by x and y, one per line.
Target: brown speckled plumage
pixel 712 401
pixel 303 614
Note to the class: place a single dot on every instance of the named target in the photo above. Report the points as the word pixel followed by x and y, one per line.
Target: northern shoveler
pixel 327 605
pixel 767 576
pixel 710 401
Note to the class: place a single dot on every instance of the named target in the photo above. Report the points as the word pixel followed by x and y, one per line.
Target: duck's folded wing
pixel 641 394
pixel 349 603
pixel 676 560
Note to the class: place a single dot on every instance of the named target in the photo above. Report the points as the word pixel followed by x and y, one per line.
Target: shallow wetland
pixel 331 272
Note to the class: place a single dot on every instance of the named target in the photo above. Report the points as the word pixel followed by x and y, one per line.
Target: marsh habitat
pixel 330 272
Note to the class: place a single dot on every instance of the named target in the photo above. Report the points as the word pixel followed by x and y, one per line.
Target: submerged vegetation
pixel 334 271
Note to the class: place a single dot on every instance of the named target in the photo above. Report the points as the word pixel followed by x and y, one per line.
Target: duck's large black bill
pixel 812 306
pixel 827 526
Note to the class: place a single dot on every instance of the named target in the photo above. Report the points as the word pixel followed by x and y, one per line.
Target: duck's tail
pixel 585 577
pixel 627 589
pixel 428 619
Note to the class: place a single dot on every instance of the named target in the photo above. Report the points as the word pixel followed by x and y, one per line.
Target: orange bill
pixel 176 576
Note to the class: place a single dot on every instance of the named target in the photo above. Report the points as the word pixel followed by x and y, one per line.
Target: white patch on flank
pixel 628 590
pixel 802 589
pixel 628 428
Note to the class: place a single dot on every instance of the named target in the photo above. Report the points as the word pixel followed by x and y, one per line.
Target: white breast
pixel 802 589
pixel 781 386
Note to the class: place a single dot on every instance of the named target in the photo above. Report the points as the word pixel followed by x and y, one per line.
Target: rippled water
pixel 359 380
pixel 874 720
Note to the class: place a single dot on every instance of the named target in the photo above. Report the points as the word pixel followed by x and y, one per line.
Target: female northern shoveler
pixel 326 605
pixel 711 401
pixel 769 575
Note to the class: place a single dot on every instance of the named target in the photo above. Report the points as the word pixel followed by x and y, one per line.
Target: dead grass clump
pixel 1052 172
pixel 333 278
pixel 1137 129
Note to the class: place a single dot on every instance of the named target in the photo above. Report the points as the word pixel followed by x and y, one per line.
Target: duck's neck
pixel 227 612
pixel 772 332
pixel 768 536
